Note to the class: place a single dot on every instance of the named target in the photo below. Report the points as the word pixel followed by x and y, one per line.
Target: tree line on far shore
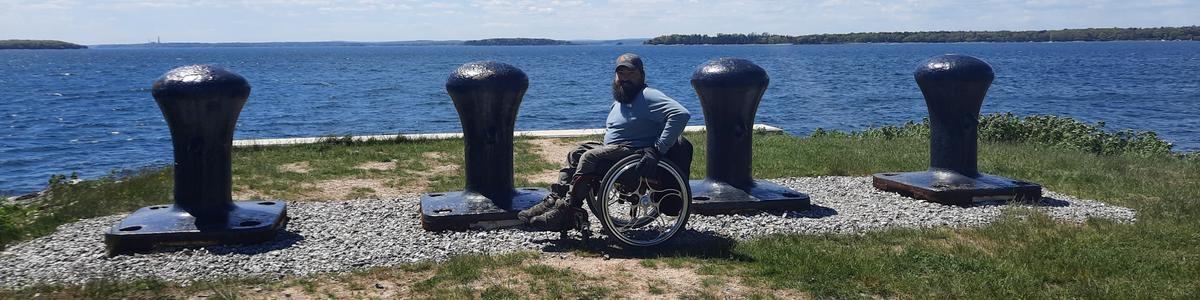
pixel 1188 33
pixel 515 42
pixel 38 44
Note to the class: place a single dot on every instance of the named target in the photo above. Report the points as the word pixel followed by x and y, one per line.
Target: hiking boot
pixel 563 213
pixel 559 218
pixel 539 208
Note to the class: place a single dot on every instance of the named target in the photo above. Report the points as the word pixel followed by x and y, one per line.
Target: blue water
pixel 91 111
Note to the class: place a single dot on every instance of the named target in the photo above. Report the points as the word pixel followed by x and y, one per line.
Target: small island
pixel 1187 33
pixel 38 44
pixel 516 42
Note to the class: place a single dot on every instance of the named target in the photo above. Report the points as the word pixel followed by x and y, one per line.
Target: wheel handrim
pixel 642 223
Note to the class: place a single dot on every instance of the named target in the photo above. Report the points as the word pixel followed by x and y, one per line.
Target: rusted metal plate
pixel 464 210
pixel 167 225
pixel 715 198
pixel 951 188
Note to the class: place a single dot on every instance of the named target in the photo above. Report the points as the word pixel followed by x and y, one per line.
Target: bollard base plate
pixel 169 226
pixel 465 210
pixel 955 189
pixel 715 198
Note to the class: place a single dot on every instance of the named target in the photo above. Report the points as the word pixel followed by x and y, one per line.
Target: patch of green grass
pixel 711 281
pixel 258 168
pixel 452 293
pixel 65 203
pixel 308 286
pixel 462 270
pixel 674 262
pixel 131 289
pixel 544 272
pixel 500 293
pixel 1029 256
pixel 555 283
pixel 1045 130
pixel 699 295
pixel 648 263
pixel 655 286
pixel 11 217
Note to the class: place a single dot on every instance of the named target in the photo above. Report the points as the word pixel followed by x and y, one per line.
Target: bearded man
pixel 642 120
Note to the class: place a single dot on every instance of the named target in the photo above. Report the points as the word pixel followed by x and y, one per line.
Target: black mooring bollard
pixel 487 96
pixel 954 87
pixel 201 104
pixel 730 90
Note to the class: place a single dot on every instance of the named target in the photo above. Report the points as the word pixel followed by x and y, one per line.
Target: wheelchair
pixel 644 212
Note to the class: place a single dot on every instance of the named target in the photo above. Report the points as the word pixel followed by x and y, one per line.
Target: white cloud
pixel 33 5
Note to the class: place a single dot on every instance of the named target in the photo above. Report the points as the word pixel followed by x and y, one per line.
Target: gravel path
pixel 339 236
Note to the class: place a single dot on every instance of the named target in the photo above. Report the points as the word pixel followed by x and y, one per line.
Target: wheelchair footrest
pixel 716 198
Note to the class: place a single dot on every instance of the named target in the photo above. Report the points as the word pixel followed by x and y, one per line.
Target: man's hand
pixel 647 167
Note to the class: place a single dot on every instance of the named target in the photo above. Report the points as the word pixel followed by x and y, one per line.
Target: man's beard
pixel 626 91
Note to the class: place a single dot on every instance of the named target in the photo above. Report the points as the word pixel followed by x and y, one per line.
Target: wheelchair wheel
pixel 642 212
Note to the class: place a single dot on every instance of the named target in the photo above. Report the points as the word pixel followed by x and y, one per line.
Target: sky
pixel 138 21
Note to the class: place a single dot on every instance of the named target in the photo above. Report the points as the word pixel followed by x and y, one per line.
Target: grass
pixel 64 203
pixel 1023 255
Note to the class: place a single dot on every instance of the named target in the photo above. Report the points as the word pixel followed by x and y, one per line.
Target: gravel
pixel 346 235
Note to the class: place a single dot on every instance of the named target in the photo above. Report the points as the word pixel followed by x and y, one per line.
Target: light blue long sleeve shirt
pixel 651 119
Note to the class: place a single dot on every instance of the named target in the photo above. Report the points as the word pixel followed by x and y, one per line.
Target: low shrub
pixel 1053 131
pixel 10 216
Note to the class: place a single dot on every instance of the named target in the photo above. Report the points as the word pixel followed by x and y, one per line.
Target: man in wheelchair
pixel 642 121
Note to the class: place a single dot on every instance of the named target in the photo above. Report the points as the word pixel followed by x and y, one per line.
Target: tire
pixel 601 201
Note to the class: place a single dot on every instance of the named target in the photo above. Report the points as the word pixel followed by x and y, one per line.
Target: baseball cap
pixel 630 60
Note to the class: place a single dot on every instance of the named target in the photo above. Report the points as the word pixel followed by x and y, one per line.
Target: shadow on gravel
pixel 687 243
pixel 283 240
pixel 1045 201
pixel 813 212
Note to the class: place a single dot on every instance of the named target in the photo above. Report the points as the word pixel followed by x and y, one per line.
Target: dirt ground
pixel 624 279
pixel 357 188
pixel 552 151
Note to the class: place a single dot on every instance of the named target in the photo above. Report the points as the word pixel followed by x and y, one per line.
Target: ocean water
pixel 91 112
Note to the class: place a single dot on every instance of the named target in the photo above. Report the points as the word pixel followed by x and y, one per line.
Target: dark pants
pixel 592 158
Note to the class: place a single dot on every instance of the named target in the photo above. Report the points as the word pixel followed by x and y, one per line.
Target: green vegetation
pixel 1023 255
pixel 515 42
pixel 65 203
pixel 1187 33
pixel 1042 130
pixel 38 44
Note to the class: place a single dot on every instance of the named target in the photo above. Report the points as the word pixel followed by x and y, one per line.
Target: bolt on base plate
pixel 955 189
pixel 715 198
pixel 167 225
pixel 463 210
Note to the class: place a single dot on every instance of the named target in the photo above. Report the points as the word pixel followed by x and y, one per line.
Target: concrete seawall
pixel 561 133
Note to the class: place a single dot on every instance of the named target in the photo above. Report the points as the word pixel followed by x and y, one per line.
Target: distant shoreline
pixel 636 43
pixel 486 42
pixel 1186 33
pixel 517 42
pixel 38 45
